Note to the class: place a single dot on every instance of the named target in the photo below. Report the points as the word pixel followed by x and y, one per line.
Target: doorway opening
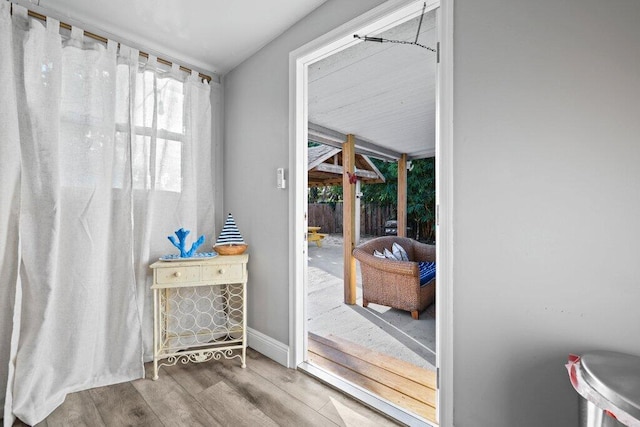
pixel 322 124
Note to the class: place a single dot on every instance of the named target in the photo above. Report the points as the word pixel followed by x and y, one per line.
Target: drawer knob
pixel 177 274
pixel 221 271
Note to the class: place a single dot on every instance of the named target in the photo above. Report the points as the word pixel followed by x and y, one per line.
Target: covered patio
pixel 372 100
pixel 375 99
pixel 379 348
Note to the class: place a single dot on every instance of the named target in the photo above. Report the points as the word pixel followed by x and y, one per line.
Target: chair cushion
pixel 427 271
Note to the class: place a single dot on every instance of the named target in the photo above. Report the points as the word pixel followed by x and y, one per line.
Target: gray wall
pixel 217 158
pixel 256 144
pixel 547 199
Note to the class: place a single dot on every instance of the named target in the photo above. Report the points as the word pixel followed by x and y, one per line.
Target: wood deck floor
pixel 399 382
pixel 216 393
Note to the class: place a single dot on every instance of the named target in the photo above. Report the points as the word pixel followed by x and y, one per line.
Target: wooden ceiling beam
pixel 337 169
pixel 333 138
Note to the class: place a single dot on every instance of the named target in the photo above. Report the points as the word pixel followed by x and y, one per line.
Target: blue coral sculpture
pixel 181 244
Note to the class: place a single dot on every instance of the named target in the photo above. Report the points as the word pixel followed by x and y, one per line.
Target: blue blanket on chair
pixel 427 271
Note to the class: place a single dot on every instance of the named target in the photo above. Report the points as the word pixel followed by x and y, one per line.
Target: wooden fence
pixel 328 216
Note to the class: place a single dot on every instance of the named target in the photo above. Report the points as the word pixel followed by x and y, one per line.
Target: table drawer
pixel 178 274
pixel 227 273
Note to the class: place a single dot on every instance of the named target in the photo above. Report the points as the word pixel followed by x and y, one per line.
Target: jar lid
pixel 616 376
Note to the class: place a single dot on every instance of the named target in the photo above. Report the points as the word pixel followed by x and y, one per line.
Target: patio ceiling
pixel 383 93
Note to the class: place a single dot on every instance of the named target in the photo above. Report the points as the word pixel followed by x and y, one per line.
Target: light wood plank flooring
pixel 216 393
pixel 402 383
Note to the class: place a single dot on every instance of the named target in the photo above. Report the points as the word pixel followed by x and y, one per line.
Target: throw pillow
pixel 378 254
pixel 399 252
pixel 389 255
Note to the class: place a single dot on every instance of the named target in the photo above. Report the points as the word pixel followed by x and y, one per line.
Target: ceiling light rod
pixel 415 42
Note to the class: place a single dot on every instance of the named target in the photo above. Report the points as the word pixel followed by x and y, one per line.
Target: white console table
pixel 199 310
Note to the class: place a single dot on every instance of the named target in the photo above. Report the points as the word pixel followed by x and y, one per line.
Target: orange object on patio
pixel 314 236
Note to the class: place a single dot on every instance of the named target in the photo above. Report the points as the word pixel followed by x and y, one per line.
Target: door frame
pixel 341 38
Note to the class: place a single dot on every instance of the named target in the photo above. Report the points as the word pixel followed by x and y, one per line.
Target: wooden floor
pixel 399 382
pixel 216 393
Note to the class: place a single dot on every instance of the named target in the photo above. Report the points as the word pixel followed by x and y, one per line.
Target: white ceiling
pixel 212 35
pixel 381 92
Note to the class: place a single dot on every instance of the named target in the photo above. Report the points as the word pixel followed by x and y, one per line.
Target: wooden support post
pixel 402 196
pixel 348 219
pixel 357 213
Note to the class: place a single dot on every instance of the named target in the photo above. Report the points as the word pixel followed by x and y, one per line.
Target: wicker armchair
pixel 396 283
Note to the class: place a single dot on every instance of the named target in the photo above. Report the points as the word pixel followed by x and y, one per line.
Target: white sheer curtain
pixel 9 193
pixel 102 159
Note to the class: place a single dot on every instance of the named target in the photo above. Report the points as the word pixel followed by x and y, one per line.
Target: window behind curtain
pixel 159 131
pixel 158 126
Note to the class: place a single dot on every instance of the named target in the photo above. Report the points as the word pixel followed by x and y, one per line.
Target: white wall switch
pixel 282 182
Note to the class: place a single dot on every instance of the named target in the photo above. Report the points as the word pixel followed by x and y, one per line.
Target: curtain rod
pixel 99 38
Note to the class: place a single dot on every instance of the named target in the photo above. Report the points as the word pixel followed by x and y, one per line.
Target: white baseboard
pixel 266 345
